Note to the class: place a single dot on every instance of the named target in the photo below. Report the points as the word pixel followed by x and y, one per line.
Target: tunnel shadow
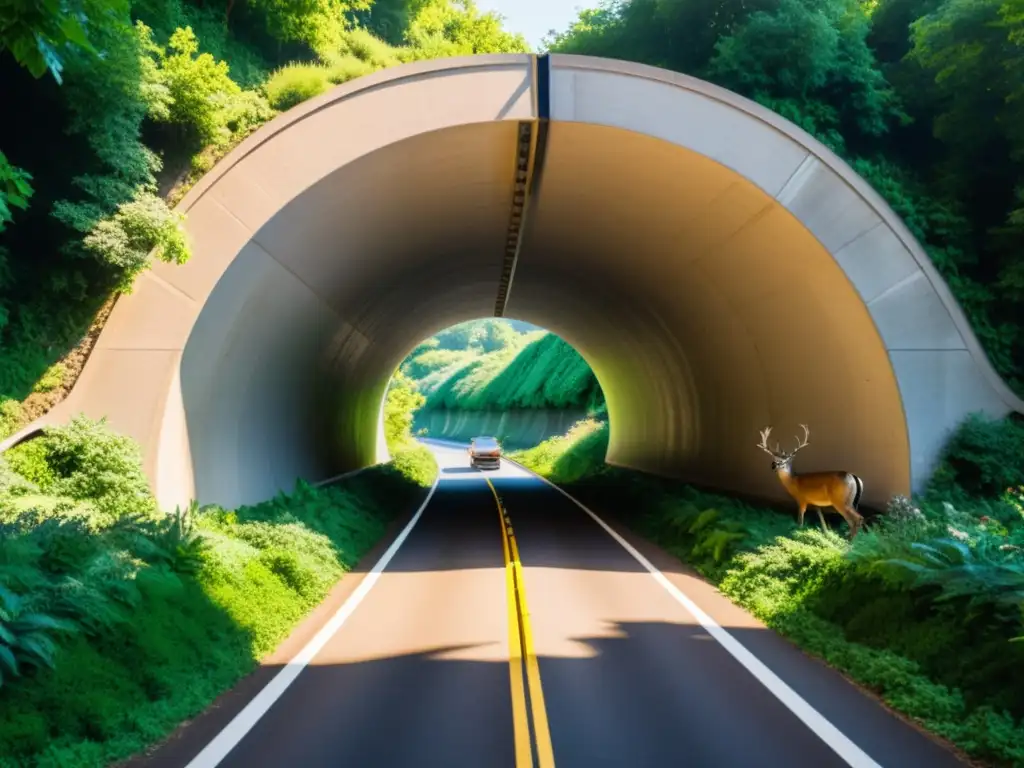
pixel 461 530
pixel 660 689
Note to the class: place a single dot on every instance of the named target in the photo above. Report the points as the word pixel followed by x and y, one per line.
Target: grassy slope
pixel 947 667
pixel 165 620
pixel 544 372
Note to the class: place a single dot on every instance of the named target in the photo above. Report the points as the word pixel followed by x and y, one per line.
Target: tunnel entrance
pixel 503 378
pixel 718 268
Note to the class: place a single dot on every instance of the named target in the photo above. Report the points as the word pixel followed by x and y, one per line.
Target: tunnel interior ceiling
pixel 728 314
pixel 718 268
pixel 308 322
pixel 703 304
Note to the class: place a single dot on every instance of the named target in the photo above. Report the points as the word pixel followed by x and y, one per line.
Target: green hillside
pixel 495 365
pixel 117 107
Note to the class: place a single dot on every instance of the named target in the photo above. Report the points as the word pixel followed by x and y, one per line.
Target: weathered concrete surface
pixel 719 268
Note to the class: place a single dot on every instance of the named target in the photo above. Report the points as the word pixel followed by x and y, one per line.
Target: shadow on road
pixel 461 529
pixel 459 471
pixel 661 689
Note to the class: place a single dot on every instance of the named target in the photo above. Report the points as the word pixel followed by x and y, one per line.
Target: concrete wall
pixel 719 268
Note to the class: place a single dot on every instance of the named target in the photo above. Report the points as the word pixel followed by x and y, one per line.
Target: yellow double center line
pixel 520 644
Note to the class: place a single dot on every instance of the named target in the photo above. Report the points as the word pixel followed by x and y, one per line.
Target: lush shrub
pixel 184 87
pixel 15 190
pixel 363 45
pixel 983 458
pixel 569 457
pixel 122 625
pixel 295 83
pixel 416 463
pixel 400 406
pixel 85 460
pixel 139 227
pixel 345 68
pixel 410 459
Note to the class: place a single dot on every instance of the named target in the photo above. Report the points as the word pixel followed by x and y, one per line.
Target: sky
pixel 535 18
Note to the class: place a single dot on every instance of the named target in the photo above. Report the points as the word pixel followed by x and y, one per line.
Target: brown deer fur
pixel 841 490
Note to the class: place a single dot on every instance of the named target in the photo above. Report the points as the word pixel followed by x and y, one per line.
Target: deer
pixel 841 490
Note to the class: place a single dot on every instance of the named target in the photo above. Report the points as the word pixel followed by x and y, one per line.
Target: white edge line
pixel 839 742
pixel 244 721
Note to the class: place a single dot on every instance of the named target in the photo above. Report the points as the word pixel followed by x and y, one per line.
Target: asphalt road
pixel 419 673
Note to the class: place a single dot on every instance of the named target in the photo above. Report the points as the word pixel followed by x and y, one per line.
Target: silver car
pixel 484 453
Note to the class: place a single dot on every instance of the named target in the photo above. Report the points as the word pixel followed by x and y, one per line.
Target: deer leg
pixel 854 518
pixel 800 514
pixel 821 516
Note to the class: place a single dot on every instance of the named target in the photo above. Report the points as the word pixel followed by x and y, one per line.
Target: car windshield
pixel 485 443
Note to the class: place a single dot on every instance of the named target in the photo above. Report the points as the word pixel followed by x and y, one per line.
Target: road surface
pixel 435 668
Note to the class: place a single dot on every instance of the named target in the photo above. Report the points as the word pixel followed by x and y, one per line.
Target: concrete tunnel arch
pixel 719 268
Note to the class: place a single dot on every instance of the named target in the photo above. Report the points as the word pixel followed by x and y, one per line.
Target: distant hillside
pixel 491 365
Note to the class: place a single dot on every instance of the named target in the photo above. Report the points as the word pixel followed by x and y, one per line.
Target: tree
pixel 38 33
pixel 15 190
pixel 457 28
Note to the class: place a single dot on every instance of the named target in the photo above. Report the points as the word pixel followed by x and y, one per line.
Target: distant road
pixel 434 667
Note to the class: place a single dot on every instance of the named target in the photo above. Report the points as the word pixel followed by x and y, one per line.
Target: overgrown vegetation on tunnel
pixel 122 106
pixel 924 608
pixel 118 621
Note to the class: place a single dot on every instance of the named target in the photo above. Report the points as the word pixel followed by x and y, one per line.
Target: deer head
pixel 781 460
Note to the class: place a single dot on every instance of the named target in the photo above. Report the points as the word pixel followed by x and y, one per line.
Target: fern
pixel 26 636
pixel 961 571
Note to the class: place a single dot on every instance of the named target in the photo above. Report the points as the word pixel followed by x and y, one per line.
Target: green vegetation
pixel 123 105
pixel 923 607
pixel 118 621
pixel 923 98
pixel 490 365
pixel 410 458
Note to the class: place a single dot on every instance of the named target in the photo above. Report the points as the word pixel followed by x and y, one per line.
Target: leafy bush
pixel 367 47
pixel 10 416
pixel 139 227
pixel 400 405
pixel 122 625
pixel 345 68
pixel 569 457
pixel 416 463
pixel 295 83
pixel 185 87
pixel 411 460
pixel 15 190
pixel 85 460
pixel 52 378
pixel 983 458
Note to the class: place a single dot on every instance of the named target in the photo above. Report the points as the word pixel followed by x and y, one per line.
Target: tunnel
pixel 718 268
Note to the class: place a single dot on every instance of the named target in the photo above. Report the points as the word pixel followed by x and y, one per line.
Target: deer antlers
pixel 778 453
